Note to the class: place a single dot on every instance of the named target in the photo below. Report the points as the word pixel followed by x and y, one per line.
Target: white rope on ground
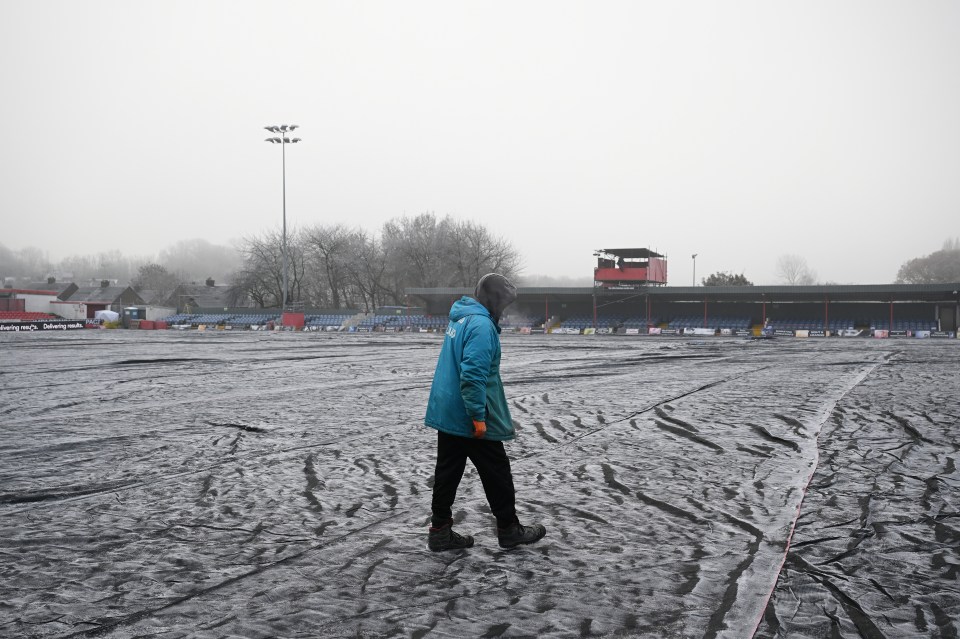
pixel 856 381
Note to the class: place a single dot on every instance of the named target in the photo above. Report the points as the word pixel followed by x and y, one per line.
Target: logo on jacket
pixel 452 330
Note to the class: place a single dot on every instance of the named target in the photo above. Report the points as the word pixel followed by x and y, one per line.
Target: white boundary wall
pixel 69 310
pixel 36 303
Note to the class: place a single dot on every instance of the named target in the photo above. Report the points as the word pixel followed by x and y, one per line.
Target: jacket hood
pixel 466 306
pixel 496 293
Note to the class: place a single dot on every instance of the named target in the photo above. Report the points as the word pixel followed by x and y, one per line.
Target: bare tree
pixel 472 251
pixel 261 276
pixel 8 264
pixel 793 270
pixel 114 265
pixel 27 263
pixel 370 272
pixel 425 251
pixel 154 277
pixel 33 262
pixel 108 265
pixel 342 267
pixel 250 284
pixel 80 267
pixel 416 248
pixel 330 251
pixel 198 259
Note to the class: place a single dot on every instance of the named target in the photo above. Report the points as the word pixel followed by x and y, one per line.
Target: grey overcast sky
pixel 740 131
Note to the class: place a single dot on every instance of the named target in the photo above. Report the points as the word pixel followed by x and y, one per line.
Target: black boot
pixel 516 534
pixel 444 538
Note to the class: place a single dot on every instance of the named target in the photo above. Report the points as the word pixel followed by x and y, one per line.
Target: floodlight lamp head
pixel 283 127
pixel 294 126
pixel 295 140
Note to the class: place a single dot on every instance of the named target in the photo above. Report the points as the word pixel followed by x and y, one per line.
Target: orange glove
pixel 479 429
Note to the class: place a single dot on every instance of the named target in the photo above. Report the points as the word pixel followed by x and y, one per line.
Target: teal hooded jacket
pixel 466 384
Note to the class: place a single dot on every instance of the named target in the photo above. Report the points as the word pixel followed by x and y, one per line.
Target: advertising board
pixel 45 325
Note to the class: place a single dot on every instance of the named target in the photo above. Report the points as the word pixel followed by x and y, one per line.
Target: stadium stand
pixel 24 316
pixel 612 321
pixel 395 322
pixel 904 325
pixel 609 321
pixel 639 322
pixel 577 321
pixel 327 320
pixel 697 321
pixel 835 325
pixel 840 325
pixel 250 320
pixel 226 319
pixel 428 321
pixel 241 320
pixel 798 324
pixel 795 324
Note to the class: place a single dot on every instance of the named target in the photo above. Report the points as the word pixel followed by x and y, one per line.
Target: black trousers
pixel 491 462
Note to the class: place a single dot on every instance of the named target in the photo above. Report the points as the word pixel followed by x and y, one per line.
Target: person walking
pixel 468 408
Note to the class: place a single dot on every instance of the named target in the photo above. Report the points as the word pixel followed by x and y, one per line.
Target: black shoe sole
pixel 449 549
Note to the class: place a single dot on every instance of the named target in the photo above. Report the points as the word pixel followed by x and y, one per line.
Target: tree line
pixel 939 267
pixel 184 261
pixel 340 266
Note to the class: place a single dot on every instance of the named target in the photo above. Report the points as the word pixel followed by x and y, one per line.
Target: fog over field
pixel 278 485
pixel 562 125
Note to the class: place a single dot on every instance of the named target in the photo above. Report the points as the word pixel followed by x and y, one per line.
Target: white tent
pixel 106 316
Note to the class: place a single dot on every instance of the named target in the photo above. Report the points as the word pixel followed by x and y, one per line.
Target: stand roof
pixel 628 253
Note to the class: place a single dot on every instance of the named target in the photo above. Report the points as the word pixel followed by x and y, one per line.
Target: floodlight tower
pixel 283 141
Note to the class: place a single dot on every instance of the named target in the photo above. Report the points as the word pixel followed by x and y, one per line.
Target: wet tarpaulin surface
pixel 261 485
